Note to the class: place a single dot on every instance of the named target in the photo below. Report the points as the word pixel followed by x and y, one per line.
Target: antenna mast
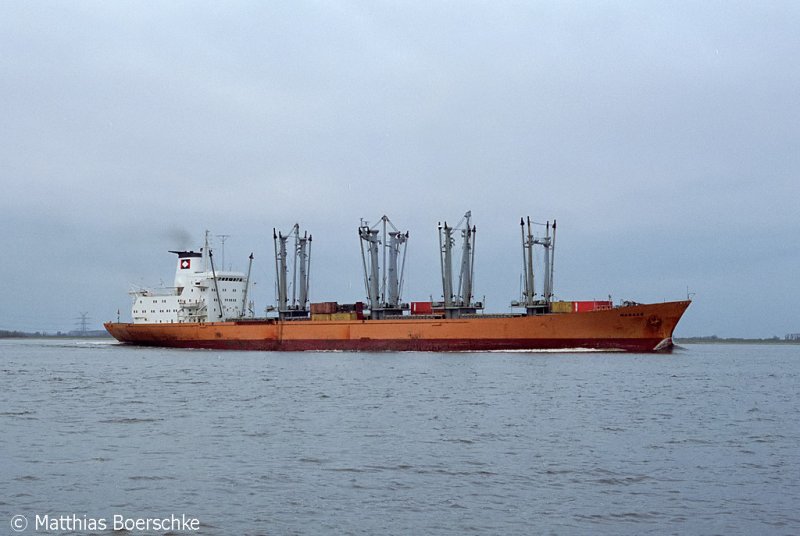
pixel 222 238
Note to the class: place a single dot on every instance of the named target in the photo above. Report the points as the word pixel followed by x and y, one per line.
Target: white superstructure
pixel 199 294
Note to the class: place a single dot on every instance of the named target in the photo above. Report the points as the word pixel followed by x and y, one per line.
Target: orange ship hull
pixel 637 328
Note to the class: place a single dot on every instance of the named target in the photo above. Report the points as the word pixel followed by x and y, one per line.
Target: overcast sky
pixel 663 137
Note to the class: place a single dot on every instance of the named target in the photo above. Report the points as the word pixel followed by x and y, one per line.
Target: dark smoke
pixel 179 238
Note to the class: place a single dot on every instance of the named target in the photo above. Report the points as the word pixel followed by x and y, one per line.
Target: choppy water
pixel 703 441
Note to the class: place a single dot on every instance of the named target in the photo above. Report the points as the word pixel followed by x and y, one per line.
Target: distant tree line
pixel 7 334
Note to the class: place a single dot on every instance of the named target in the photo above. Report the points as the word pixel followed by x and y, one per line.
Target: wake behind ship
pixel 207 308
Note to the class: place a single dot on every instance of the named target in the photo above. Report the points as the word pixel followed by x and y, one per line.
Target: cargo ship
pixel 207 308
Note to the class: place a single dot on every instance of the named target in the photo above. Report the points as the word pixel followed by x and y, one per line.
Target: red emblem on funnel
pixel 186 264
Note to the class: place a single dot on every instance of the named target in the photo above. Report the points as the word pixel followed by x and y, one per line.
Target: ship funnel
pixel 189 264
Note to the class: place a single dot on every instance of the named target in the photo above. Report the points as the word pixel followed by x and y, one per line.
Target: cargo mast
pixel 383 290
pixel 548 243
pixel 459 302
pixel 301 267
pixel 246 287
pixel 208 260
pixel 529 241
pixel 304 258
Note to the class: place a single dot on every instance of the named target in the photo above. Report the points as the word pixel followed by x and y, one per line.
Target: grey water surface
pixel 705 440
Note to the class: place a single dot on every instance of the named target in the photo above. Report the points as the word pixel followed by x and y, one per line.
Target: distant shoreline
pixel 731 340
pixel 39 335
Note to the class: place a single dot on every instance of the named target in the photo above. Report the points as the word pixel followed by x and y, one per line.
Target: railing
pixel 159 292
